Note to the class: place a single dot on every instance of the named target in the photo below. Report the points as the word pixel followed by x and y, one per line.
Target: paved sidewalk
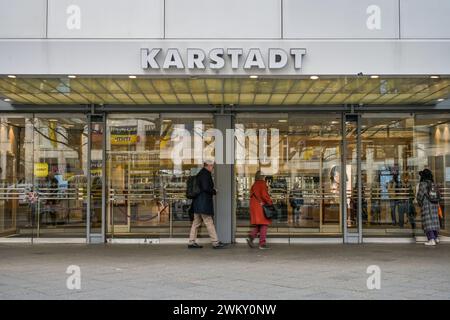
pixel 173 272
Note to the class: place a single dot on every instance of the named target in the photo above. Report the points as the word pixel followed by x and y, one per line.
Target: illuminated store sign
pixel 217 58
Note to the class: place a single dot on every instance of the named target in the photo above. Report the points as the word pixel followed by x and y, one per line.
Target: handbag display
pixel 268 209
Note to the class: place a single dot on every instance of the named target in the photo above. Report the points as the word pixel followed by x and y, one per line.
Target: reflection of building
pixel 99 116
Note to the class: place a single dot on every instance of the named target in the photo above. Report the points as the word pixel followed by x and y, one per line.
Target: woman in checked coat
pixel 430 217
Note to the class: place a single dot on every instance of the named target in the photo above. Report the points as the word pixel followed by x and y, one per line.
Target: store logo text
pixel 194 58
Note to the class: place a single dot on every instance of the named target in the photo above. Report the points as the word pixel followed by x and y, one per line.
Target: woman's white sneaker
pixel 437 240
pixel 430 243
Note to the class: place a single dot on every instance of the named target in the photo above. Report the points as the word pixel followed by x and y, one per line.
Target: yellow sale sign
pixel 41 169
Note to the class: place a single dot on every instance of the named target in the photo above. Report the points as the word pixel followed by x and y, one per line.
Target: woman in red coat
pixel 259 196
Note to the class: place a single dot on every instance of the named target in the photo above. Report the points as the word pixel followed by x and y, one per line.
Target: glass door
pixel 145 186
pixel 60 156
pixel 132 171
pixel 395 148
pixel 303 174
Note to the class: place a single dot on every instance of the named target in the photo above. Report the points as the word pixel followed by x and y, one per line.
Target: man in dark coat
pixel 203 207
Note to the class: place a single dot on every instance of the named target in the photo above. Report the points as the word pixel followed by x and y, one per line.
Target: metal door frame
pixel 96 237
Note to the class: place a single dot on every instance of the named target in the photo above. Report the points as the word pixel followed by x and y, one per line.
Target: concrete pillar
pixel 224 183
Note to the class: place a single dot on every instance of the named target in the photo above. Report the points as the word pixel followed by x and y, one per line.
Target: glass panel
pixel 390 170
pixel 432 151
pixel 146 188
pixel 60 168
pixel 17 213
pixel 302 176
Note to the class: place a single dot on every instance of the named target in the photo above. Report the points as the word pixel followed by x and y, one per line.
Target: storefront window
pixel 43 175
pixel 43 172
pixel 395 148
pixel 432 151
pixel 303 173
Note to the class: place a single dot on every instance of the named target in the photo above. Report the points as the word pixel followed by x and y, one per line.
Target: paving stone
pixel 173 272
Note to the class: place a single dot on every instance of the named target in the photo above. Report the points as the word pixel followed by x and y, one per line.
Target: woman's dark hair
pixel 426 175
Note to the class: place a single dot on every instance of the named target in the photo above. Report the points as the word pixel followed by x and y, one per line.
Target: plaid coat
pixel 430 217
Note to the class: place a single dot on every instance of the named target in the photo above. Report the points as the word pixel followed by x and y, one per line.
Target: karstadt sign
pixel 218 58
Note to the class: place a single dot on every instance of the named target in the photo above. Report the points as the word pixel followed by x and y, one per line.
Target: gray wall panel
pixel 224 177
pixel 223 19
pixel 23 18
pixel 340 19
pixel 106 19
pixel 425 19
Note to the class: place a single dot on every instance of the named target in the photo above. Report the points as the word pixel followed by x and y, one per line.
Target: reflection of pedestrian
pixel 375 203
pixel 52 193
pixel 32 198
pixel 96 191
pixel 429 207
pixel 392 194
pixel 406 204
pixel 296 201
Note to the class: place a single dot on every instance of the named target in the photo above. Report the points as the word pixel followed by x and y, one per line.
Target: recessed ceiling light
pixel 434 77
pixel 282 120
pixel 71 76
pixel 253 77
pixel 7 100
pixel 314 77
pixel 132 77
pixel 441 99
pixel 374 76
pixel 11 76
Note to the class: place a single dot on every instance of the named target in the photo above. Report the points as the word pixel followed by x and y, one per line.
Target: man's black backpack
pixel 192 188
pixel 433 193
